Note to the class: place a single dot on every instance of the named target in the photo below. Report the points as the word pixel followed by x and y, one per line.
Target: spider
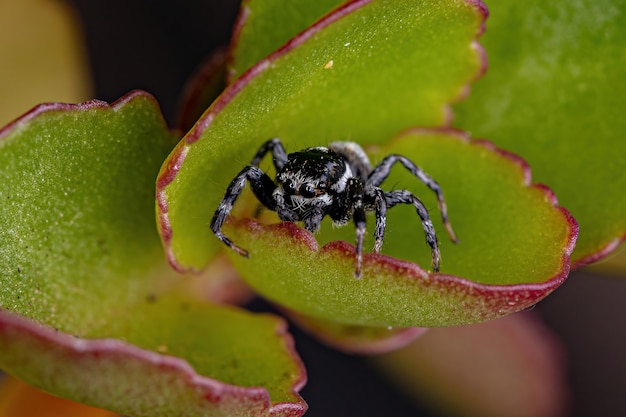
pixel 337 181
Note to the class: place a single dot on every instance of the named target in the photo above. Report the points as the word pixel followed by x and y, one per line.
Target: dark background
pixel 156 46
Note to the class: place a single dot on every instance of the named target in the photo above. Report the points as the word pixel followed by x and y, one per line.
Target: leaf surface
pixel 264 25
pixel 90 309
pixel 516 365
pixel 364 340
pixel 555 94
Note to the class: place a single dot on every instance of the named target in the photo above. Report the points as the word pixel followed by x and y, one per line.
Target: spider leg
pixel 262 186
pixel 381 172
pixel 380 209
pixel 355 209
pixel 405 197
pixel 360 223
pixel 275 146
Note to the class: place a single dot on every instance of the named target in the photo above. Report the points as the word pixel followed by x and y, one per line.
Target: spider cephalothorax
pixel 337 181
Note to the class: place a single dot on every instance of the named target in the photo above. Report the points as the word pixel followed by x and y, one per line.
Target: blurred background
pixel 74 50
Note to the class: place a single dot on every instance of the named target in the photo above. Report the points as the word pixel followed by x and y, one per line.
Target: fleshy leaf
pixel 555 94
pixel 356 339
pixel 514 246
pixel 510 367
pixel 364 72
pixel 614 264
pixel 89 309
pixel 102 372
pixel 264 25
pixel 202 89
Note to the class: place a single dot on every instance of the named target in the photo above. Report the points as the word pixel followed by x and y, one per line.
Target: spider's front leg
pixel 275 146
pixel 262 186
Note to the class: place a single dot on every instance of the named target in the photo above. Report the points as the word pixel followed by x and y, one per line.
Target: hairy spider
pixel 337 181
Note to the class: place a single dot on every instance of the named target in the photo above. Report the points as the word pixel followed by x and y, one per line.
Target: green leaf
pixel 363 74
pixel 80 254
pixel 202 89
pixel 364 340
pixel 264 25
pixel 75 187
pixel 519 349
pixel 165 366
pixel 514 246
pixel 555 94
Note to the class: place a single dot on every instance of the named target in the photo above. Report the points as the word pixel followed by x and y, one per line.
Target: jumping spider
pixel 337 181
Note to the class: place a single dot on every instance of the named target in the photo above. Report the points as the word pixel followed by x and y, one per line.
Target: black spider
pixel 337 181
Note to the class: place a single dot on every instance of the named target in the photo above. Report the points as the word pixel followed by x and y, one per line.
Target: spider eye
pixel 288 187
pixel 307 191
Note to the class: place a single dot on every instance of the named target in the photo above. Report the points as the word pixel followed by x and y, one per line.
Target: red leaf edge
pixel 67 107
